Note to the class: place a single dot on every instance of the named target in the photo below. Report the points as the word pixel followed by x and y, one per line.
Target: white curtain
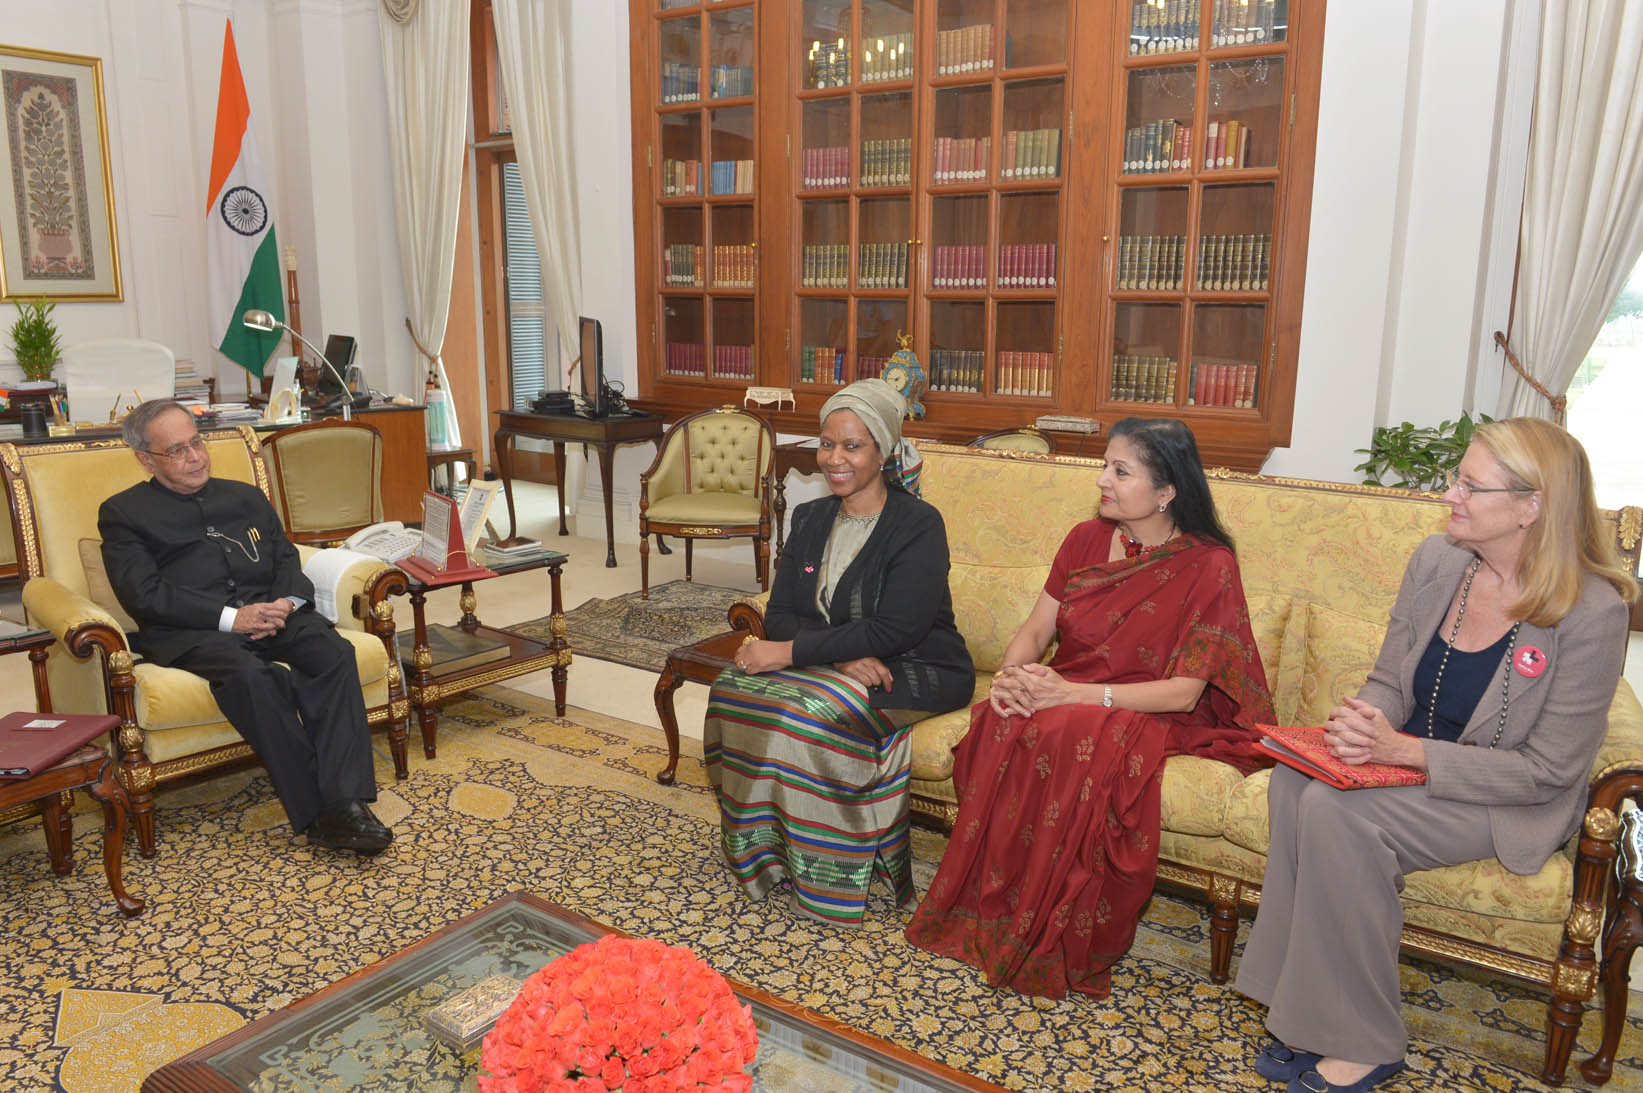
pixel 1583 201
pixel 533 45
pixel 425 63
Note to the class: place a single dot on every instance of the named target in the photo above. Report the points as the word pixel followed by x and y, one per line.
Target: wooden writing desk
pixel 603 433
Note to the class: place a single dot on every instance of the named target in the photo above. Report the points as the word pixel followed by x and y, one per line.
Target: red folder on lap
pixel 33 742
pixel 1304 749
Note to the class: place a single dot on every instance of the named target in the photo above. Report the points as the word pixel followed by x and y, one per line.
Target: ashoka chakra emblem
pixel 244 210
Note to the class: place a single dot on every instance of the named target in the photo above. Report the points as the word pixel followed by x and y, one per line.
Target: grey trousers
pixel 1323 953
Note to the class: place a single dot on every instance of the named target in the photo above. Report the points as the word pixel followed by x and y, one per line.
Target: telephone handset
pixel 388 540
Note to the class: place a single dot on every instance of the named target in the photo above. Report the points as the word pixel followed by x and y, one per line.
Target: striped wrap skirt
pixel 811 782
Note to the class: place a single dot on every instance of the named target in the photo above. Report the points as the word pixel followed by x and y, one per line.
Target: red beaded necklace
pixel 1134 547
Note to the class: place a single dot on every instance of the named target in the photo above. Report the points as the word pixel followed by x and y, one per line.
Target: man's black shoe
pixel 351 827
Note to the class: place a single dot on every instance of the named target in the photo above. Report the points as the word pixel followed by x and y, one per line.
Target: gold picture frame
pixel 57 231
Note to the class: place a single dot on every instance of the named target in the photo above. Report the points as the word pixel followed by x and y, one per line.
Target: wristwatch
pixel 1106 695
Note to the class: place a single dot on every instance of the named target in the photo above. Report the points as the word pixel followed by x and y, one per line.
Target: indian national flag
pixel 242 256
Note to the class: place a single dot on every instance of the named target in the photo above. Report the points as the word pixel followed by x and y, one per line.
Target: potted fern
pixel 1416 459
pixel 35 342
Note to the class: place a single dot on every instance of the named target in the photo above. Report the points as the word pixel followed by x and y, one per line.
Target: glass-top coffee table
pixel 366 1033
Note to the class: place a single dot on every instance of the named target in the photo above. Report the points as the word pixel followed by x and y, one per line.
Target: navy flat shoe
pixel 1278 1062
pixel 1313 1082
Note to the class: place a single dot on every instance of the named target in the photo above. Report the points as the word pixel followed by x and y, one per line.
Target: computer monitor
pixel 592 368
pixel 339 350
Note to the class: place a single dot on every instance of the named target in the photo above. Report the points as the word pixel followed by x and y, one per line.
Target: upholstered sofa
pixel 1321 566
pixel 171 726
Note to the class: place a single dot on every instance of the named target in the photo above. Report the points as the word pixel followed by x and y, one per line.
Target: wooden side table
pixel 699 663
pixel 448 459
pixel 93 769
pixel 428 688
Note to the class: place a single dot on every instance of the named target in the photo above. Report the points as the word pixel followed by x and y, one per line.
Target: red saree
pixel 1055 848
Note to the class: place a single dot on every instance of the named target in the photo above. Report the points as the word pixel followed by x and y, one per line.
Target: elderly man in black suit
pixel 217 589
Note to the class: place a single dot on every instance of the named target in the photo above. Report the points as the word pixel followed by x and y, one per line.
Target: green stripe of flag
pixel 250 349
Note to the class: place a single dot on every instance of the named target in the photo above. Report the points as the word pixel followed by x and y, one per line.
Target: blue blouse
pixel 1466 678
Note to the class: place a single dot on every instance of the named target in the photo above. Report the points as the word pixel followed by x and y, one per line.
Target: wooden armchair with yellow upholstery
pixel 711 480
pixel 170 725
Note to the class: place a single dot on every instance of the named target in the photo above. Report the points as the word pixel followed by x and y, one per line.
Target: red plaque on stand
pixel 443 556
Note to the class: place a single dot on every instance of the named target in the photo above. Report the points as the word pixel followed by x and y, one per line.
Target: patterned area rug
pixel 641 633
pixel 243 919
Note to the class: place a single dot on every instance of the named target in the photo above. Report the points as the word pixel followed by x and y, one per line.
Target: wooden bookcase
pixel 1024 185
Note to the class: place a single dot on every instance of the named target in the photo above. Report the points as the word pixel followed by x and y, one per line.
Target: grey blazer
pixel 1535 781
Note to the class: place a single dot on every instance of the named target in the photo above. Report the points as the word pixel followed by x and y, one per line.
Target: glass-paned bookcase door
pixel 1227 343
pixel 730 142
pixel 824 337
pixel 825 37
pixel 1158 120
pixel 1024 354
pixel 1234 244
pixel 961 150
pixel 1152 239
pixel 885 44
pixel 731 47
pixel 683 336
pixel 1246 115
pixel 681 155
pixel 733 338
pixel 680 41
pixel 1035 33
pixel 1146 352
pixel 958 346
pixel 958 243
pixel 878 323
pixel 885 156
pixel 1032 141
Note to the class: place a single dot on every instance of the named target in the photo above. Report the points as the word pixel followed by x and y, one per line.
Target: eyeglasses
pixel 1466 489
pixel 181 451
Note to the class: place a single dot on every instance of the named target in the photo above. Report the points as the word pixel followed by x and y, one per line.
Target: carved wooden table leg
pixel 108 790
pixel 1620 940
pixel 422 664
pixel 59 827
pixel 557 643
pixel 666 684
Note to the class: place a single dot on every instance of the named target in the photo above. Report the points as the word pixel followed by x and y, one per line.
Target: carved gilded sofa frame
pixel 1005 513
pixel 91 669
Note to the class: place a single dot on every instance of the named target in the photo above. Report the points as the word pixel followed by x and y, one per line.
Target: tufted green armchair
pixel 711 480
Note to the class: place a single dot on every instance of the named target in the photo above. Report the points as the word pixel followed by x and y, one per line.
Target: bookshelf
pixel 1087 209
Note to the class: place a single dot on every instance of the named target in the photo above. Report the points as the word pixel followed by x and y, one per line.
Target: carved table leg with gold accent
pixel 561 647
pixel 1575 972
pixel 422 665
pixel 1620 940
pixel 469 604
pixel 1223 926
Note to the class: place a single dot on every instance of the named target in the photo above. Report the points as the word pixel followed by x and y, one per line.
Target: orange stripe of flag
pixel 233 113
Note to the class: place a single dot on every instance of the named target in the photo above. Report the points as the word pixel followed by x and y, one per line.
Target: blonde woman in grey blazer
pixel 1495 677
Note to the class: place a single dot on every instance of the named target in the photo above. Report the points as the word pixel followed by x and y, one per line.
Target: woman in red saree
pixel 1055 848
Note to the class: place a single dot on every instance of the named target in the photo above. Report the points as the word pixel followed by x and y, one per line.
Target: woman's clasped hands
pixel 1357 732
pixel 1027 688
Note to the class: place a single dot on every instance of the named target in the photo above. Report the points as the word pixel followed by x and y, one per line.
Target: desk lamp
pixel 265 322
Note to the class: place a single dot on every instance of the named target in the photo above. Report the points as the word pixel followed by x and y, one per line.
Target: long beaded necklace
pixel 1454 632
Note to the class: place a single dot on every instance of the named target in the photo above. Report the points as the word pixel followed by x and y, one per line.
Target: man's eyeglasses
pixel 1466 489
pixel 181 451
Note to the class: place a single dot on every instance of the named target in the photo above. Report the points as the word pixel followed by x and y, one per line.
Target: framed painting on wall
pixel 57 235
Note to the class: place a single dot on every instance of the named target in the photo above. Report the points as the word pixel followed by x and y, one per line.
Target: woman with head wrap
pixel 808 739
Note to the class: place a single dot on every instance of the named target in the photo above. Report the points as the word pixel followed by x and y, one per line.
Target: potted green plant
pixel 35 342
pixel 1416 459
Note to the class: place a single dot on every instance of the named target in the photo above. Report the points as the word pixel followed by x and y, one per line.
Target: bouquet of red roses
pixel 621 1013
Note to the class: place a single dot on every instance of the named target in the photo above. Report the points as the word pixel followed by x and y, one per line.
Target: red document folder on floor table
pixel 33 742
pixel 1304 750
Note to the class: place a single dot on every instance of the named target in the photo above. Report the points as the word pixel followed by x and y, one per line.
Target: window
pixel 1604 397
pixel 522 277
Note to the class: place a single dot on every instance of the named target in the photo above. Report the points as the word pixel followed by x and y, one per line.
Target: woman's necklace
pixel 1454 632
pixel 1134 547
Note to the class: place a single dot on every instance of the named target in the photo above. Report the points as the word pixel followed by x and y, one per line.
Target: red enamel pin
pixel 1529 662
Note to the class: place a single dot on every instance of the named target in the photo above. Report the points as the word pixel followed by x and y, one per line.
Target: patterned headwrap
pixel 881 408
